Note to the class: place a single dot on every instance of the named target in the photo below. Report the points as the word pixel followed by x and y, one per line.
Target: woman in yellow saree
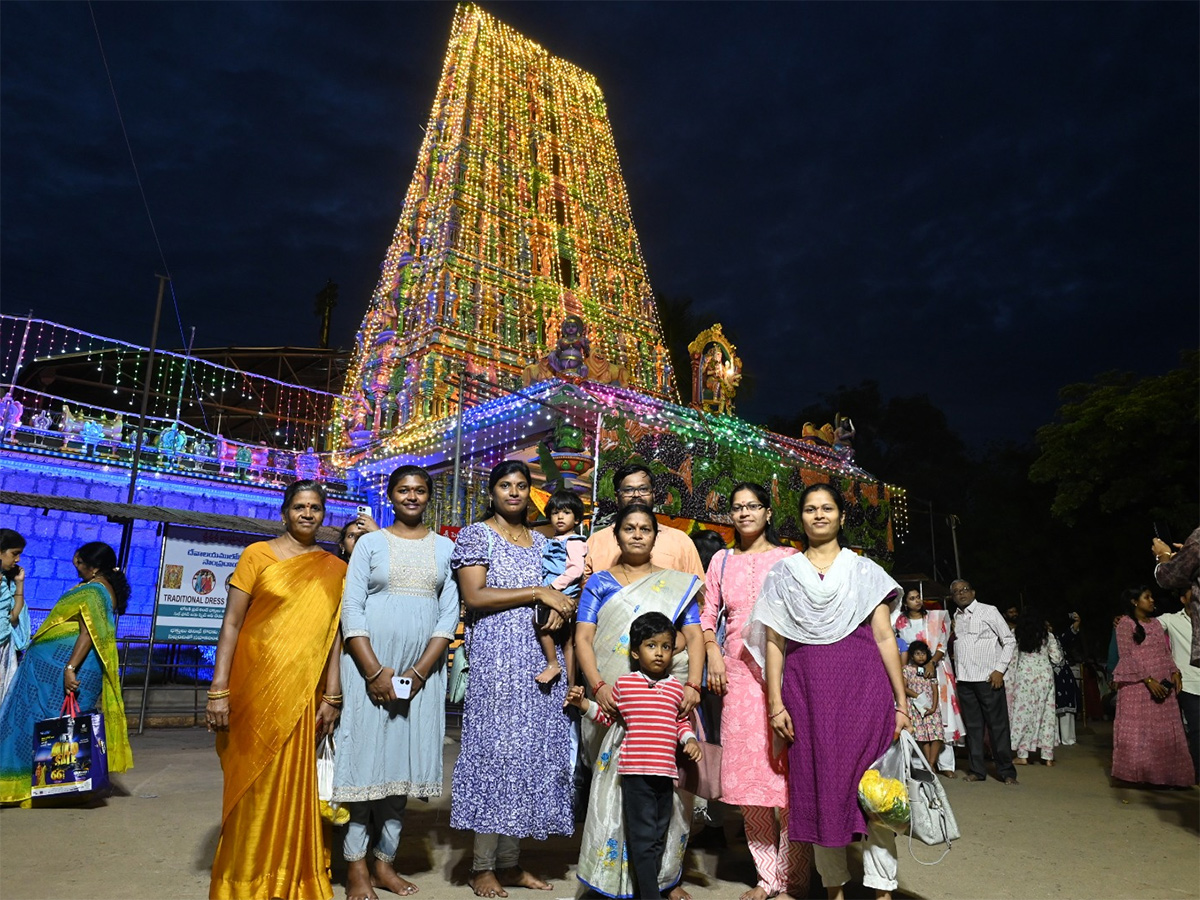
pixel 75 649
pixel 275 692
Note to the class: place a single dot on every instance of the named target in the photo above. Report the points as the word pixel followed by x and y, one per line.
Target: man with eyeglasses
pixel 634 483
pixel 983 648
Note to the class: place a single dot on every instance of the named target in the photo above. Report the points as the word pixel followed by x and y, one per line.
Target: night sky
pixel 978 202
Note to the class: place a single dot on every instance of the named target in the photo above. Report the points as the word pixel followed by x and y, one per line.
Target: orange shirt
pixel 672 550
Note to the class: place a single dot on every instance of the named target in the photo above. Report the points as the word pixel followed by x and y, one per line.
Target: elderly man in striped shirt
pixel 983 648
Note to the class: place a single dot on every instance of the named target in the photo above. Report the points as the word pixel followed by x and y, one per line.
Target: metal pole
pixel 596 469
pixel 458 434
pixel 127 528
pixel 953 519
pixel 21 352
pixel 932 541
pixel 187 362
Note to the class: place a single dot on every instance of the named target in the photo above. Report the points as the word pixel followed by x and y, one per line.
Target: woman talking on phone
pixel 399 611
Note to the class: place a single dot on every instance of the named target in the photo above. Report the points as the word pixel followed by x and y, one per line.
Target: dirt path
pixel 1062 833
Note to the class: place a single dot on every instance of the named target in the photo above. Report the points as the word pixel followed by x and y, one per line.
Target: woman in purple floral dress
pixel 513 778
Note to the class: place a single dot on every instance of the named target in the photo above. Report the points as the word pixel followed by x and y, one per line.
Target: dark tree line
pixel 1062 523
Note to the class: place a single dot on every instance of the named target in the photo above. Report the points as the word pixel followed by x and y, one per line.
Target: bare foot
pixel 678 893
pixel 518 877
pixel 358 882
pixel 548 674
pixel 1020 761
pixel 383 875
pixel 485 884
pixel 758 892
pixel 947 773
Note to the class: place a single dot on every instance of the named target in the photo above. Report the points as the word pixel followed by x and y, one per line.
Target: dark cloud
pixel 980 202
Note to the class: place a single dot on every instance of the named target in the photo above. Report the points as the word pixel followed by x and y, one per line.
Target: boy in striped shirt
pixel 648 700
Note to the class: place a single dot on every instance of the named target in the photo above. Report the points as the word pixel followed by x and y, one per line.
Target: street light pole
pixel 953 520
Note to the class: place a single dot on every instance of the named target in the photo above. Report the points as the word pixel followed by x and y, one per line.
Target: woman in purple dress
pixel 513 775
pixel 822 632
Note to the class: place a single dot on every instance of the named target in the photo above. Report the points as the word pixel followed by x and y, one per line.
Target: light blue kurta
pixel 399 593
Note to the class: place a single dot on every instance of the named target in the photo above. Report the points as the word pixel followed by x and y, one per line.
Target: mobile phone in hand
pixel 402 686
pixel 364 510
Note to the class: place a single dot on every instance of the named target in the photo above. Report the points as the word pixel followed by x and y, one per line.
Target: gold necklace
pixel 629 577
pixel 820 569
pixel 508 534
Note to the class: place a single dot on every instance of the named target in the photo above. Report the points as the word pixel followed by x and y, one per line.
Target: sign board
pixel 193 583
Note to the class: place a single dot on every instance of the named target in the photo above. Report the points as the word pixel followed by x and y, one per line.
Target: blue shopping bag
pixel 70 755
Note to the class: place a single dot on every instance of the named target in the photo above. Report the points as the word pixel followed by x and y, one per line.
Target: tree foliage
pixel 1125 445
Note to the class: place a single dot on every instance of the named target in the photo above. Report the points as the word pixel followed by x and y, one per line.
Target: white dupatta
pixel 800 605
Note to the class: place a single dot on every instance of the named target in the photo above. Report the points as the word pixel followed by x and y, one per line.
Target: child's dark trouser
pixel 646 801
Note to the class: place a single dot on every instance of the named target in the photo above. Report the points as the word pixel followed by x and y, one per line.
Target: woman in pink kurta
pixel 1149 746
pixel 753 770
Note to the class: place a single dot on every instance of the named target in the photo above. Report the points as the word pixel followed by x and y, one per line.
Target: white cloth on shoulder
pixel 800 605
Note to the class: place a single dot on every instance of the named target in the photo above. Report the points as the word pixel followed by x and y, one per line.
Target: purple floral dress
pixel 513 775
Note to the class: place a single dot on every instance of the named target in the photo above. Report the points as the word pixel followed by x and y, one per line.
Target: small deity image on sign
pixel 172 577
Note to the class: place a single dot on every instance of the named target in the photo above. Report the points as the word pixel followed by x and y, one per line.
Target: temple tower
pixel 517 216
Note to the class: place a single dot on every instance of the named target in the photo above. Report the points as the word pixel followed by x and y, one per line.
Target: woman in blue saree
pixel 611 600
pixel 74 650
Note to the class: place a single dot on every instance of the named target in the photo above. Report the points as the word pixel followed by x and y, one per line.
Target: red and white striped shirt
pixel 653 723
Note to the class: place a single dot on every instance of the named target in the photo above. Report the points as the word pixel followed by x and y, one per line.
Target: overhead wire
pixel 142 190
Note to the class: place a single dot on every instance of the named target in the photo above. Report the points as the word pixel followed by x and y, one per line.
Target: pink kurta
pixel 750 774
pixel 1148 741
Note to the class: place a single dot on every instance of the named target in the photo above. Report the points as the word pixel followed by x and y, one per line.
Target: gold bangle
pixel 332 699
pixel 218 695
pixel 418 674
pixel 376 675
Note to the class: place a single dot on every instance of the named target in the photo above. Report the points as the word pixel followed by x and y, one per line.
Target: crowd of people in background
pixel 595 665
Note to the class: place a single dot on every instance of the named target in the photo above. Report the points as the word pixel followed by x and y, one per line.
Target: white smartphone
pixel 402 686
pixel 364 510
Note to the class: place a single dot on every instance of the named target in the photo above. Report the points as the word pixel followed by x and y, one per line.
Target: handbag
pixel 723 612
pixel 458 672
pixel 932 820
pixel 456 679
pixel 901 792
pixel 702 777
pixel 70 754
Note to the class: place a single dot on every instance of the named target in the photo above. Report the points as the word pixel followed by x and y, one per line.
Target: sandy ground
pixel 1062 833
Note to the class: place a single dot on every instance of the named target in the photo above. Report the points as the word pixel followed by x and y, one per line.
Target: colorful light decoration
pixel 517 215
pixel 297 414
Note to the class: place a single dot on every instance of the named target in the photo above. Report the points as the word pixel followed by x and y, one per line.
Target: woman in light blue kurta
pixel 399 613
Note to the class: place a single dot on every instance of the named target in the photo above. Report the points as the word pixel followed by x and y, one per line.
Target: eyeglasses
pixel 746 507
pixel 962 591
pixel 643 491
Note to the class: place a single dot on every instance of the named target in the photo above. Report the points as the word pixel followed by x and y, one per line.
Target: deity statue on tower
pixel 573 359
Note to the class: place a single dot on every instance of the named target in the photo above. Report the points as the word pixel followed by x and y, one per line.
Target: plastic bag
pixel 883 792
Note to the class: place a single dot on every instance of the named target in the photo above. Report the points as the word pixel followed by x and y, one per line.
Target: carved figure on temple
pixel 90 430
pixel 822 435
pixel 308 465
pixel 42 422
pixel 843 436
pixel 716 371
pixel 242 458
pixel 11 410
pixel 171 442
pixel 572 358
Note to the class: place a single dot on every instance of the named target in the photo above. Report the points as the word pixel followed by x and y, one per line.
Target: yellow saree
pixel 271 842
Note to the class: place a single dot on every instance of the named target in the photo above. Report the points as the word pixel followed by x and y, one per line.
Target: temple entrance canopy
pixel 516 220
